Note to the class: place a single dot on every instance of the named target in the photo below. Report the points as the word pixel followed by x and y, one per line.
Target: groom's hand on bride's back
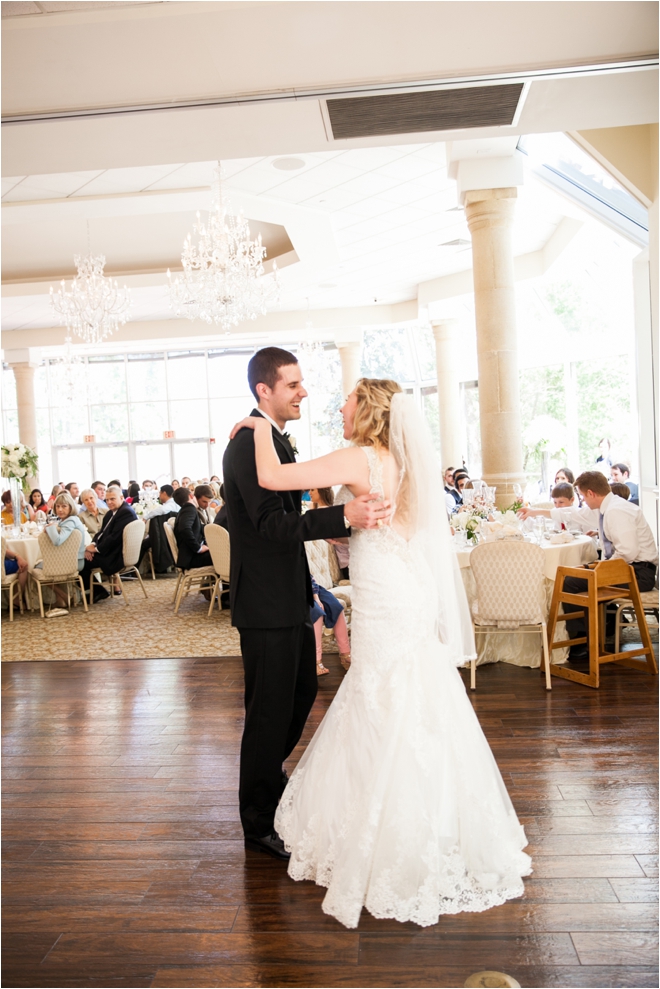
pixel 365 513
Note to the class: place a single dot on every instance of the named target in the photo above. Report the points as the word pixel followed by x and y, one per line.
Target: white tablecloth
pixel 524 648
pixel 28 547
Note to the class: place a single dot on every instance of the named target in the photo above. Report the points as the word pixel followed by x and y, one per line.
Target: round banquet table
pixel 523 648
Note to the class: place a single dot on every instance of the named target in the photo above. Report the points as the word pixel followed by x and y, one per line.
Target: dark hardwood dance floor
pixel 124 864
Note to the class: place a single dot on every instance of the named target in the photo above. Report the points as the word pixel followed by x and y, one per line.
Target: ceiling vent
pixel 432 110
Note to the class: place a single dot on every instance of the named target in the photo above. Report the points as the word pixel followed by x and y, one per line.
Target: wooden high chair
pixel 601 578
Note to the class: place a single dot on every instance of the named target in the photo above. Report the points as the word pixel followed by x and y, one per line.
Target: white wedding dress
pixel 397 805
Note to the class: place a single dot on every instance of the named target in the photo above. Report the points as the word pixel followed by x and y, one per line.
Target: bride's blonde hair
pixel 371 425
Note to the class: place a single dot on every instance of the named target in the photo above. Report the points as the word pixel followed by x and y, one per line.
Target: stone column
pixel 449 398
pixel 350 353
pixel 489 214
pixel 27 417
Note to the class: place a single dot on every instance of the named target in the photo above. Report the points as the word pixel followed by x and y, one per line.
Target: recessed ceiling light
pixel 288 164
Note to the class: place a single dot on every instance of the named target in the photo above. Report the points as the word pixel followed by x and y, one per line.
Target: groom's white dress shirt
pixel 271 421
pixel 623 525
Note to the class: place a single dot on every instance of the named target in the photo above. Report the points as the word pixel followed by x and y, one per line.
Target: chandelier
pixel 223 279
pixel 95 306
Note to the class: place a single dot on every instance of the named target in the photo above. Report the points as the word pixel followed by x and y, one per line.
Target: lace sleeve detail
pixel 375 471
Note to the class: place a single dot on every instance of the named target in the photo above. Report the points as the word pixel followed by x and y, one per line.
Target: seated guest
pixel 59 530
pixel 36 501
pixel 99 488
pixel 53 495
pixel 92 512
pixel 8 513
pixel 215 479
pixel 564 476
pixel 216 500
pixel 624 534
pixel 166 503
pixel 563 495
pixel 450 488
pixel 221 514
pixel 621 491
pixel 107 547
pixel 325 498
pixel 461 478
pixel 175 484
pixel 148 485
pixel 16 564
pixel 201 498
pixel 73 490
pixel 329 611
pixel 133 493
pixel 185 482
pixel 188 531
pixel 621 474
pixel 116 483
pixel 166 507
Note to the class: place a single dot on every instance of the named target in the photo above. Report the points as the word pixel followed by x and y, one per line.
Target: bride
pixel 397 805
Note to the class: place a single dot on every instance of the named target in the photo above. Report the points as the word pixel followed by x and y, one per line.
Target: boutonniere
pixel 292 443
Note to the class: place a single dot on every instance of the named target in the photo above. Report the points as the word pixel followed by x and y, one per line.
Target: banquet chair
pixel 650 606
pixel 187 579
pixel 510 583
pixel 605 582
pixel 217 540
pixel 60 566
pixel 10 584
pixel 132 537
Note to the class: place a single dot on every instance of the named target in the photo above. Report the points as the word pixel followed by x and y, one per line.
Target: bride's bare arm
pixel 347 466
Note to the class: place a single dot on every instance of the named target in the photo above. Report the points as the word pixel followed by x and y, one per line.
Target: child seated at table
pixel 563 495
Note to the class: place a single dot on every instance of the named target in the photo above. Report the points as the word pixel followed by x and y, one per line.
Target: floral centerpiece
pixel 19 461
pixel 469 520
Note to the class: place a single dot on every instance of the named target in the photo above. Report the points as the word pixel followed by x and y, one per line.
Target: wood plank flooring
pixel 124 862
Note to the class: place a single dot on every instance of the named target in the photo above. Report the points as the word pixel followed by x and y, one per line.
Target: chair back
pixel 133 536
pixel 168 529
pixel 4 553
pixel 318 559
pixel 612 572
pixel 217 540
pixel 510 583
pixel 62 560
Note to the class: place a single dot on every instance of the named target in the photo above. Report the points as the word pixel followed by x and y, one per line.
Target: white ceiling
pixel 368 226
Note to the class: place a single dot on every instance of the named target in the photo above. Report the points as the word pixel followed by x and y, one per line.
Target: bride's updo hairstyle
pixel 371 425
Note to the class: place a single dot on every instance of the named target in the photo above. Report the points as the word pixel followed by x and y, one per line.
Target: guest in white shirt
pixel 98 487
pixel 624 535
pixel 166 504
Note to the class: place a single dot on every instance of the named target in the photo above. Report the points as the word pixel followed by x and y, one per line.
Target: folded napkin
pixel 557 538
pixel 500 530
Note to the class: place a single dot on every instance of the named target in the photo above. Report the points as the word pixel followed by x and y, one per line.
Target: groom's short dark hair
pixel 265 366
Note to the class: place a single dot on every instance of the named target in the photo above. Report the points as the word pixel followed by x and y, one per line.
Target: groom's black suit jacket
pixel 270 585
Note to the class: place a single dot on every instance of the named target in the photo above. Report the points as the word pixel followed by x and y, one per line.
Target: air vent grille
pixel 410 113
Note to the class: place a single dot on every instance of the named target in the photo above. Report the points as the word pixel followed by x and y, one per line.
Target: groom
pixel 271 595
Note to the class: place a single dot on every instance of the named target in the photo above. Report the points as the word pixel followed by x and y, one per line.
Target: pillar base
pixel 505 496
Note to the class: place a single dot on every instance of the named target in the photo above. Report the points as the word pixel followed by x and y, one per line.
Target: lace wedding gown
pixel 397 805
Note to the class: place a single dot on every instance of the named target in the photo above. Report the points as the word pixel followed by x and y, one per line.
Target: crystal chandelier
pixel 223 279
pixel 95 306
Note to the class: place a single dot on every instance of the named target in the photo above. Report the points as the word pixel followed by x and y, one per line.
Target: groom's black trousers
pixel 280 687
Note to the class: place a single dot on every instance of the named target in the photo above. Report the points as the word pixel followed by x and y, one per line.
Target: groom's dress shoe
pixel 271 844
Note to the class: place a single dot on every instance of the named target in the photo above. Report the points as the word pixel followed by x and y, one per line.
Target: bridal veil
pixel 420 505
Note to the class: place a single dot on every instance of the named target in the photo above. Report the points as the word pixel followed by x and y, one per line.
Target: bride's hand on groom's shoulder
pixel 365 513
pixel 248 423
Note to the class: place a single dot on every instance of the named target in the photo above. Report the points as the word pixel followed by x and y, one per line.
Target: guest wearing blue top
pixel 58 532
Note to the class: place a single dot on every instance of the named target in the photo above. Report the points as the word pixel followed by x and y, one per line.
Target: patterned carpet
pixel 146 629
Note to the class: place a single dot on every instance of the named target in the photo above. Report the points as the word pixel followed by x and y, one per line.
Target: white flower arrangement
pixel 19 461
pixel 469 520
